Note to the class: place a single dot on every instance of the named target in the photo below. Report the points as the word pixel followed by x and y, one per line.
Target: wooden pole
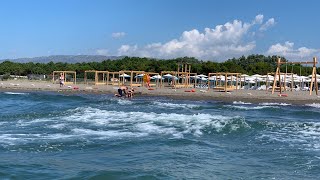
pixel 225 82
pixel 75 77
pixel 237 82
pixel 314 77
pixel 275 77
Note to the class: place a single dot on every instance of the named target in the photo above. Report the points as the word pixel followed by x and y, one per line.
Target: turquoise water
pixel 55 136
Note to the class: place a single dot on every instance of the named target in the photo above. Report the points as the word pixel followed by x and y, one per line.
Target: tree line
pixel 252 64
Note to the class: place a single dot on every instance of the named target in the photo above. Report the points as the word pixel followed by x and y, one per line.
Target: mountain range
pixel 64 58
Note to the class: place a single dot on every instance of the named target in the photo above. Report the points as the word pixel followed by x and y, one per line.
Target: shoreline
pixel 248 96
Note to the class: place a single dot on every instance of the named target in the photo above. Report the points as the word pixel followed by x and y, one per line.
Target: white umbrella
pixel 256 75
pixel 204 79
pixel 213 78
pixel 139 76
pixel 156 76
pixel 201 76
pixel 124 75
pixel 167 76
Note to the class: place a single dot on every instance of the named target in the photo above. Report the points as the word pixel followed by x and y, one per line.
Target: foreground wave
pixel 99 136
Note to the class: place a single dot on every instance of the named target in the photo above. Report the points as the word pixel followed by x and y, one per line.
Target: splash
pixel 315 105
pixel 174 106
pixel 275 104
pixel 249 107
pixel 240 102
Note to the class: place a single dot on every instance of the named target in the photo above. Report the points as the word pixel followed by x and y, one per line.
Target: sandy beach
pixel 252 96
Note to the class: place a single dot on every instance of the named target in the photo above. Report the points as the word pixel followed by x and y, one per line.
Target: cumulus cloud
pixel 223 41
pixel 127 49
pixel 271 22
pixel 258 19
pixel 103 52
pixel 118 35
pixel 287 50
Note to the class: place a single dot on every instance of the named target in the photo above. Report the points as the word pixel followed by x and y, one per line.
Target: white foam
pixel 174 106
pixel 15 93
pixel 87 123
pixel 106 134
pixel 124 101
pixel 58 136
pixel 58 126
pixel 315 105
pixel 32 122
pixel 12 139
pixel 249 107
pixel 240 102
pixel 275 104
pixel 303 135
pixel 150 123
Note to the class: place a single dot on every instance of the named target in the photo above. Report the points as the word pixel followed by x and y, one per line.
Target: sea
pixel 55 135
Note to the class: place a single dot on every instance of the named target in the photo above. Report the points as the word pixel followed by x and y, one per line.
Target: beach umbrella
pixel 156 76
pixel 202 75
pixel 192 77
pixel 232 77
pixel 139 76
pixel 125 75
pixel 212 78
pixel 204 79
pixel 167 76
pixel 307 80
pixel 256 76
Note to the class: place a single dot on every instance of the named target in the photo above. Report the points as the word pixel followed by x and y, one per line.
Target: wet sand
pixel 252 96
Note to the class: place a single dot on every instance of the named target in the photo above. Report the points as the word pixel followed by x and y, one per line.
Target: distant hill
pixel 64 58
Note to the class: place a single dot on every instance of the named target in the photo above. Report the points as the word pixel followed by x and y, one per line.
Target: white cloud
pixel 287 50
pixel 271 22
pixel 118 35
pixel 127 50
pixel 223 41
pixel 103 52
pixel 258 19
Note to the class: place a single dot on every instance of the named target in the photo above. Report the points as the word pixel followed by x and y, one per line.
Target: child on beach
pixel 130 93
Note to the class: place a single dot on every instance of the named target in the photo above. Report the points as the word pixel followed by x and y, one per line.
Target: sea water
pixel 46 135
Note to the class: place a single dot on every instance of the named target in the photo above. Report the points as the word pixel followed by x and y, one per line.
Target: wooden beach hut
pixel 100 77
pixel 313 82
pixel 223 81
pixel 132 75
pixel 69 76
pixel 172 78
pixel 153 76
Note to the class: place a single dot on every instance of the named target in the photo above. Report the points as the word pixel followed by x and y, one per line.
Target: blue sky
pixel 205 29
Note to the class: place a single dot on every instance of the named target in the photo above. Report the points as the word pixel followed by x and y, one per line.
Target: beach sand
pixel 252 96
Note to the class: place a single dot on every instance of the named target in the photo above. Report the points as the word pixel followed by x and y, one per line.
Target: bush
pixel 5 77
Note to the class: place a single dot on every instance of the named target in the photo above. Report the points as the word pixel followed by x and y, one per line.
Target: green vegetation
pixel 253 64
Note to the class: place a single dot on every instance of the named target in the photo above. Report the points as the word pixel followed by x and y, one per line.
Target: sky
pixel 211 30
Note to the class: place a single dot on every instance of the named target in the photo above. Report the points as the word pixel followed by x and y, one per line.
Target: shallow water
pixel 55 136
